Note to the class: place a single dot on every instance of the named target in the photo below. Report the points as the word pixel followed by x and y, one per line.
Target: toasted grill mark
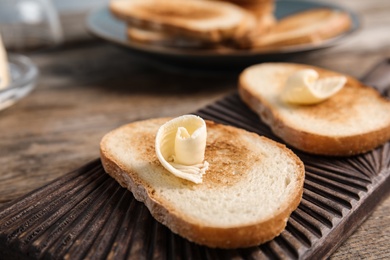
pixel 229 159
pixel 335 109
pixel 145 142
pixel 338 107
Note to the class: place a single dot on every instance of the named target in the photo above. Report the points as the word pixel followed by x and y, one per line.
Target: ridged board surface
pixel 87 215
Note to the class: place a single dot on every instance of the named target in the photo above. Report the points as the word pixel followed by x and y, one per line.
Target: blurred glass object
pixel 29 24
pixel 24 75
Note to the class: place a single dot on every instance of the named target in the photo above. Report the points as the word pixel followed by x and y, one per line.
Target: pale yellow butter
pixel 180 147
pixel 304 87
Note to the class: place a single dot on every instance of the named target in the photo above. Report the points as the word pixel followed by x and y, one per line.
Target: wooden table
pixel 88 88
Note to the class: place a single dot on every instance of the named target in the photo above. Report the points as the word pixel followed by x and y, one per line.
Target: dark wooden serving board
pixel 86 215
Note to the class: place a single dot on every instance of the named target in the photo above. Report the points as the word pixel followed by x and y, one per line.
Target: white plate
pixel 103 24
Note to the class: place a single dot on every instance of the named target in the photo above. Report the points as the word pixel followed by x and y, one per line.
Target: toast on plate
pixel 354 120
pixel 307 27
pixel 259 22
pixel 248 192
pixel 160 38
pixel 210 21
pixel 263 11
pixel 166 40
pixel 231 24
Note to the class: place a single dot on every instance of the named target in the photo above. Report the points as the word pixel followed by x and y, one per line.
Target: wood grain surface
pixel 88 87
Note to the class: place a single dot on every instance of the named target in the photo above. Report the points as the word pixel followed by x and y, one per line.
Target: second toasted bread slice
pixel 354 120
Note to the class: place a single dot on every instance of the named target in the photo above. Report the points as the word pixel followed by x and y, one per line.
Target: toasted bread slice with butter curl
pixel 354 120
pixel 248 192
pixel 209 21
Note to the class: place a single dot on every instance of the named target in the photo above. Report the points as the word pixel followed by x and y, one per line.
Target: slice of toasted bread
pixel 247 194
pixel 210 21
pixel 163 38
pixel 308 27
pixel 353 121
pixel 263 11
